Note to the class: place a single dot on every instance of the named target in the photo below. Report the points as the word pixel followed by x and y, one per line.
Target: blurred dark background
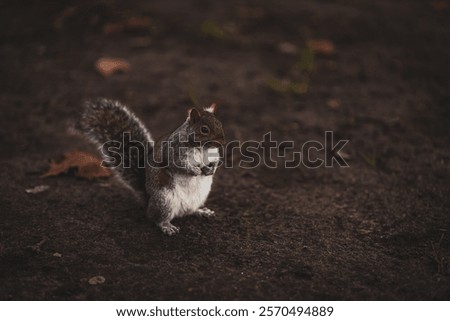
pixel 373 72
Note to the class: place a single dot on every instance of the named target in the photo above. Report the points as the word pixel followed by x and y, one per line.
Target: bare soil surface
pixel 378 229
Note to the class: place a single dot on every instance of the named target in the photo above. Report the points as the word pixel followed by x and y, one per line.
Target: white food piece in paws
pixel 212 155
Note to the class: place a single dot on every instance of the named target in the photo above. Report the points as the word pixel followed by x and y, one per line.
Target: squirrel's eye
pixel 204 130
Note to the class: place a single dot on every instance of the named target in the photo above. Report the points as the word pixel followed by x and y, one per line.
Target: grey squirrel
pixel 175 173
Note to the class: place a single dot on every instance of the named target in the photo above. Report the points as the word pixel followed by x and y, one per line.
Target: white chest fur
pixel 188 193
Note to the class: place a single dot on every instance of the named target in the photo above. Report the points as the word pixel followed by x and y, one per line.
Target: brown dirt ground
pixel 363 232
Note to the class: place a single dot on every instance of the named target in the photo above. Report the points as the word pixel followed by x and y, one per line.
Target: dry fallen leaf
pixel 37 189
pixel 322 47
pixel 81 164
pixel 96 280
pixel 333 103
pixel 108 66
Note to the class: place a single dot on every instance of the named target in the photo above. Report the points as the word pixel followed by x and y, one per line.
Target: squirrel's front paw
pixel 204 211
pixel 196 171
pixel 169 229
pixel 193 170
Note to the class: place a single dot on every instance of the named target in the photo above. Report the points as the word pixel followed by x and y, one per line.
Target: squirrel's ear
pixel 211 109
pixel 194 115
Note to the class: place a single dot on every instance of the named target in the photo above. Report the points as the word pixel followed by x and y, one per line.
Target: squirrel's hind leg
pixel 168 228
pixel 161 218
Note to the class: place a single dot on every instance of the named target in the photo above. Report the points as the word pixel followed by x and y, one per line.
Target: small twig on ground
pixel 438 257
pixel 37 247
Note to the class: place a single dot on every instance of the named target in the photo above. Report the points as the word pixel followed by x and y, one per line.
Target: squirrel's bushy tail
pixel 107 121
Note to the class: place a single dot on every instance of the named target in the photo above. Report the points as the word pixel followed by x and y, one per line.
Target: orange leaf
pixel 333 103
pixel 81 164
pixel 322 46
pixel 108 66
